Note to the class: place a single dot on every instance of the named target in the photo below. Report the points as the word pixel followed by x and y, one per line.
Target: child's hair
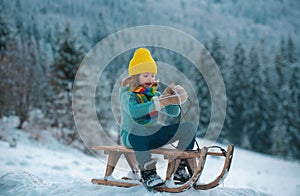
pixel 133 82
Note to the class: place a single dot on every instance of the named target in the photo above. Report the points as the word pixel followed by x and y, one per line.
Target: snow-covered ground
pixel 50 168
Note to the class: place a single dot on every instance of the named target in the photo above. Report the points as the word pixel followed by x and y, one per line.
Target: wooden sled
pixel 174 157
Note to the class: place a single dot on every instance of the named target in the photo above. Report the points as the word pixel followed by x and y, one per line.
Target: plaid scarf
pixel 145 95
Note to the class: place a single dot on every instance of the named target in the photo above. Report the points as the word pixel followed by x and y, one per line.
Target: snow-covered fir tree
pixel 236 94
pixel 68 55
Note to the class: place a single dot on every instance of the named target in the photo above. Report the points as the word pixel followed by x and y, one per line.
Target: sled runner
pixel 195 164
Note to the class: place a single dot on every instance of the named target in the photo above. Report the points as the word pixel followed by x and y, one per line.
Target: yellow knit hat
pixel 141 62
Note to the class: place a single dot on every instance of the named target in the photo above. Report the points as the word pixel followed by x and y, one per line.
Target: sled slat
pixel 168 153
pixel 114 183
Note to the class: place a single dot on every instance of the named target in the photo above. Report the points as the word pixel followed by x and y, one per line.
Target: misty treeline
pixel 262 83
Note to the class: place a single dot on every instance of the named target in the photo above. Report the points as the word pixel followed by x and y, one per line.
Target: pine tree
pixel 6 30
pixel 264 59
pixel 68 56
pixel 291 51
pixel 235 95
pixel 286 95
pixel 218 52
pixel 281 92
pixel 100 29
pixel 293 114
pixel 256 115
pixel 203 93
pixel 281 63
pixel 7 45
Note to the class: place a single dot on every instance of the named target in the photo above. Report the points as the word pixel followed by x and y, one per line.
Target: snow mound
pixel 47 167
pixel 23 183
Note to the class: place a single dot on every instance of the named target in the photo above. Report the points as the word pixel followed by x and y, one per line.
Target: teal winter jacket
pixel 133 112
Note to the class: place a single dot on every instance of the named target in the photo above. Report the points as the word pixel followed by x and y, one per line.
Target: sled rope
pixel 198 148
pixel 222 149
pixel 183 117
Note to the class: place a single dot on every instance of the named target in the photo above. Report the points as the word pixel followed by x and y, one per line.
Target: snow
pixel 47 167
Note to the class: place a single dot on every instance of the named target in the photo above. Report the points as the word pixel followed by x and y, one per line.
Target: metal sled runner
pixel 195 164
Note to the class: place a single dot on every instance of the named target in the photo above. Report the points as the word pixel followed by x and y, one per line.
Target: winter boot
pixel 149 176
pixel 181 173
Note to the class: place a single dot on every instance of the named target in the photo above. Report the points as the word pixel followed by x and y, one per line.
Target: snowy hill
pixel 50 168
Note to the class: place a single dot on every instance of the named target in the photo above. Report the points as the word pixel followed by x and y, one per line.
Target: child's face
pixel 147 79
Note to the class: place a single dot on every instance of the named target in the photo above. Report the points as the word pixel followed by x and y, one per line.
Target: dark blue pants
pixel 145 138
